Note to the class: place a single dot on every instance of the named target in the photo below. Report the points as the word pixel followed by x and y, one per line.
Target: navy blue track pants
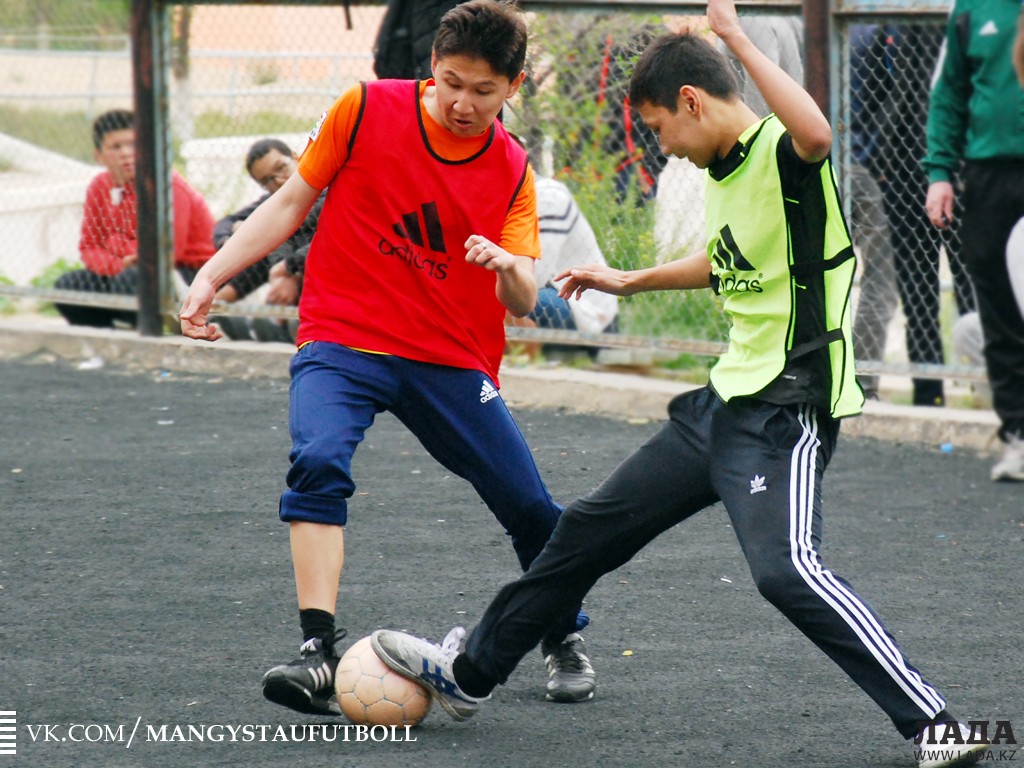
pixel 458 416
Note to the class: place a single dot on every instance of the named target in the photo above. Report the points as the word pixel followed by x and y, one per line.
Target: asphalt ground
pixel 146 585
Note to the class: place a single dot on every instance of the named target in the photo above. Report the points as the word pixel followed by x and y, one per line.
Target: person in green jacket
pixel 976 116
pixel 759 437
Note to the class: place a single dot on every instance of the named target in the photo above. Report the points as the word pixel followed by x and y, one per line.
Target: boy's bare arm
pixel 516 287
pixel 689 272
pixel 808 127
pixel 269 226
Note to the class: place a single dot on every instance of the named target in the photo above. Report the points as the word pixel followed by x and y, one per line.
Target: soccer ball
pixel 370 693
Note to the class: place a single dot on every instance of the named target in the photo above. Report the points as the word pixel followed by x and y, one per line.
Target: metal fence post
pixel 816 51
pixel 148 29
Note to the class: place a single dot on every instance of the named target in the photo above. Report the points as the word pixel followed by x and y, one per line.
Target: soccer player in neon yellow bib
pixel 759 437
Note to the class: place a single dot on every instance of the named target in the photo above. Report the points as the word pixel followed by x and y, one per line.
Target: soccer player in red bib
pixel 427 237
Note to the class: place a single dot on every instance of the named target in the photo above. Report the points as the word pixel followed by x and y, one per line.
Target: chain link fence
pixel 910 272
pixel 238 74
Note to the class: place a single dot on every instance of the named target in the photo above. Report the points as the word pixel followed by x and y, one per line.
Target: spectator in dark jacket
pixel 270 162
pixel 406 38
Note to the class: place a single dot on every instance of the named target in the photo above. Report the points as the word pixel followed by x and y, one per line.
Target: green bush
pixel 6 303
pixel 78 25
pixel 48 277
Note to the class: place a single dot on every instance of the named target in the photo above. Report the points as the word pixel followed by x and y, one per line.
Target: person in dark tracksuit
pixel 976 114
pixel 761 435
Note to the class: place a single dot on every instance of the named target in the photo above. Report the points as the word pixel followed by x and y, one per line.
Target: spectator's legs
pixel 124 284
pixel 993 204
pixel 915 246
pixel 968 349
pixel 552 311
pixel 878 296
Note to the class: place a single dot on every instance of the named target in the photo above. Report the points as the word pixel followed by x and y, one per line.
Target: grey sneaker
pixel 570 676
pixel 935 748
pixel 1011 465
pixel 306 684
pixel 430 665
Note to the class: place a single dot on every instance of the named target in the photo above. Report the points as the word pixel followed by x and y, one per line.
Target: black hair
pixel 485 29
pixel 114 120
pixel 262 148
pixel 672 61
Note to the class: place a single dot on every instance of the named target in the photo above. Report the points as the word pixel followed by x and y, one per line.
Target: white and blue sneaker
pixel 430 665
pixel 936 748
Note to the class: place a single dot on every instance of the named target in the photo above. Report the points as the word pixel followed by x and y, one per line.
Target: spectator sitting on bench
pixel 108 244
pixel 270 163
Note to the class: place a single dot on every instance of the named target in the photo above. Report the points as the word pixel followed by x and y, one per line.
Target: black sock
pixel 469 677
pixel 317 624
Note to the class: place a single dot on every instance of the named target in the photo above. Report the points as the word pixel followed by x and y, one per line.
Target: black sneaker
pixel 570 676
pixel 307 684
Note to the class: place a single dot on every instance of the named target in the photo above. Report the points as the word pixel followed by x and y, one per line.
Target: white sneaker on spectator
pixel 1011 465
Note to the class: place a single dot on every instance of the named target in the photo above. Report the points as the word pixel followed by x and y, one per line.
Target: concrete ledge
pixel 946 428
pixel 623 395
pixel 620 395
pixel 127 348
pixel 633 396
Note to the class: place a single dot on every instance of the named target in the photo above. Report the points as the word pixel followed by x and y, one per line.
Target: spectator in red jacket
pixel 108 244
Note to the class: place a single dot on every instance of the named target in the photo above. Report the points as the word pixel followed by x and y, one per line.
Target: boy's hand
pixel 284 288
pixel 723 19
pixel 939 203
pixel 484 253
pixel 194 311
pixel 597 276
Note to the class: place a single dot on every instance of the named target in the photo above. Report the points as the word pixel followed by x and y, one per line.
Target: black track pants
pixel 765 462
